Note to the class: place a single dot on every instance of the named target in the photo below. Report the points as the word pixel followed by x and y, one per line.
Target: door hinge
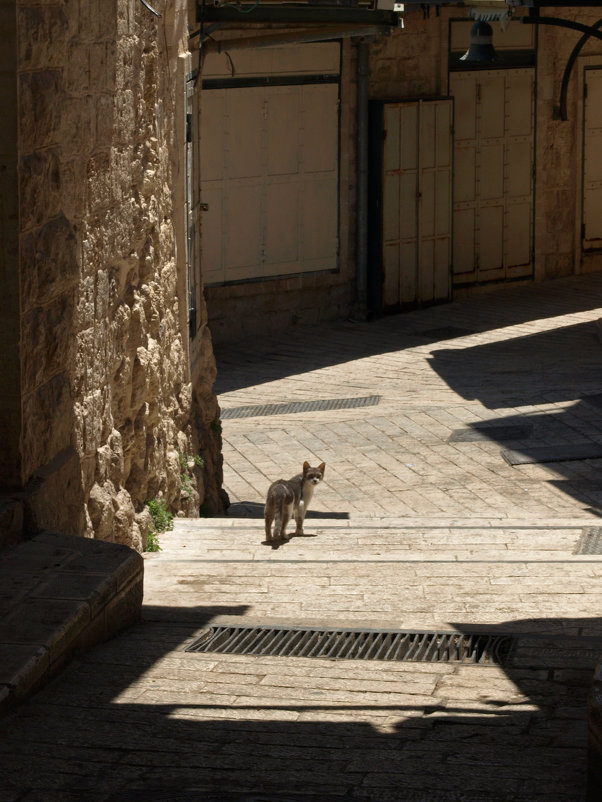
pixel 188 127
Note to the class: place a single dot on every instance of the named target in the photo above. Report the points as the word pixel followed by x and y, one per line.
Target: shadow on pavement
pixel 561 365
pixel 139 718
pixel 258 361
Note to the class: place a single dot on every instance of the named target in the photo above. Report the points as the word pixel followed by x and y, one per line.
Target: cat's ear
pixel 305 466
pixel 322 467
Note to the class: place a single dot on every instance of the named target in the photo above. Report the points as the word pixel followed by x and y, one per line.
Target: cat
pixel 290 497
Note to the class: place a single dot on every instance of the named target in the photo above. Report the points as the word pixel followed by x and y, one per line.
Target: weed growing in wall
pixel 185 475
pixel 162 522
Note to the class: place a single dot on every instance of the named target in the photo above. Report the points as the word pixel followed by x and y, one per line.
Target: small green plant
pixel 152 542
pixel 162 517
pixel 185 475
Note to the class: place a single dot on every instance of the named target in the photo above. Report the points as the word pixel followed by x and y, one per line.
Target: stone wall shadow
pixel 557 366
pixel 259 359
pixel 96 733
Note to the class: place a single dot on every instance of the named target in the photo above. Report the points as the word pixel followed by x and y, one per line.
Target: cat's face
pixel 313 475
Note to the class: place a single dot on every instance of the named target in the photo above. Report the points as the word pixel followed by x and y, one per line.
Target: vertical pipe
pixel 363 80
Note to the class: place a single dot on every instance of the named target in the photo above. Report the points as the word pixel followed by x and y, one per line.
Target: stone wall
pixel 106 388
pixel 10 403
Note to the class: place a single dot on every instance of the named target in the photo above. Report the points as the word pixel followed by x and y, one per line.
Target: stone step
pixel 381 540
pixel 59 595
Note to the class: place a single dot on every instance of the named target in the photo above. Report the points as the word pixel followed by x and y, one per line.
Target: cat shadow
pixel 276 543
pixel 254 509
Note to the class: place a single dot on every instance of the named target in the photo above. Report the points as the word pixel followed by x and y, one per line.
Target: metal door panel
pixel 269 177
pixel 242 248
pixel 407 143
pixel 213 139
pixel 517 244
pixel 428 201
pixel 212 236
pixel 518 163
pixel 408 290
pixel 594 93
pixel 493 173
pixel 441 278
pixel 392 147
pixel 320 140
pixel 406 208
pixel 443 144
pixel 465 107
pixel 416 201
pixel 392 220
pixel 391 277
pixel 443 193
pixel 283 132
pixel 519 117
pixel 245 153
pixel 282 228
pixel 592 163
pixel 491 241
pixel 464 241
pixel 465 174
pixel 592 214
pixel 490 99
pixel 318 220
pixel 428 138
pixel 427 269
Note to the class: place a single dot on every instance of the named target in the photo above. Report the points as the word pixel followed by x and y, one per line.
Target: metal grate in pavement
pixel 355 644
pixel 444 333
pixel 590 541
pixel 300 406
pixel 496 433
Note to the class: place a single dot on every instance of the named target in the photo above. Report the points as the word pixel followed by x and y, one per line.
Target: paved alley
pixel 462 496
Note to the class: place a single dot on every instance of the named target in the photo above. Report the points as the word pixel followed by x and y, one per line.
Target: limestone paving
pixel 411 529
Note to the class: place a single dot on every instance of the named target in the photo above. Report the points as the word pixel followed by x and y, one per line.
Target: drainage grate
pixel 355 644
pixel 300 406
pixel 590 541
pixel 495 433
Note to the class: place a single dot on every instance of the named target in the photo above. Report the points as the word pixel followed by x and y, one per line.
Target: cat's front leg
pixel 299 516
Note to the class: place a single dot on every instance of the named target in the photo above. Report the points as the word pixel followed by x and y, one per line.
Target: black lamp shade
pixel 481 50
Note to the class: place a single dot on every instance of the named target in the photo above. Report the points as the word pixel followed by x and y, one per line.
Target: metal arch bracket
pixel 586 30
pixel 150 8
pixel 561 108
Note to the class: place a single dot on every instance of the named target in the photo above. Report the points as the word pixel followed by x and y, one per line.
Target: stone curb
pixel 60 595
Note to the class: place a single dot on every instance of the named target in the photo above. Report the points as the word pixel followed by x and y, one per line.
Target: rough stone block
pixel 40 96
pixel 49 260
pixel 39 188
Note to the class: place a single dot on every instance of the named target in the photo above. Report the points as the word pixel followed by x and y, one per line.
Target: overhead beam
pixel 317 34
pixel 298 15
